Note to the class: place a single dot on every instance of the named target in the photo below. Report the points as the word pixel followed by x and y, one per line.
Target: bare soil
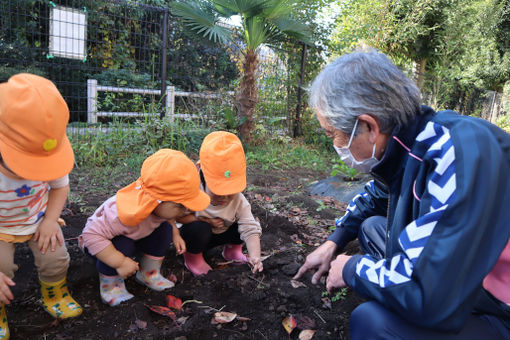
pixel 293 223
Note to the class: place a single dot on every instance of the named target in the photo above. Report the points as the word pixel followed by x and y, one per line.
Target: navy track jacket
pixel 444 186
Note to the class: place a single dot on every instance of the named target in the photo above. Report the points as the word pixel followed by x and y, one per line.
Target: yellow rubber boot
pixel 4 327
pixel 57 301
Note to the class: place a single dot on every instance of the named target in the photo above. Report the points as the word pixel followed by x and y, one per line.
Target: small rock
pixel 181 338
pixel 281 308
pixel 271 307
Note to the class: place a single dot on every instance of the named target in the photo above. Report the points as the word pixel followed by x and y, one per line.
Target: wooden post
pixel 170 102
pixel 91 101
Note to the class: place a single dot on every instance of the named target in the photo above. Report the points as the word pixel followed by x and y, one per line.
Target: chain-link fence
pixel 118 58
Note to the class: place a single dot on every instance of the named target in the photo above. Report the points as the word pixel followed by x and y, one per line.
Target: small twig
pixel 259 281
pixel 209 307
pixel 261 333
pixel 190 301
pixel 320 317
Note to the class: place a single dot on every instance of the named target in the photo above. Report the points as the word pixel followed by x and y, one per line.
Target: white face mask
pixel 347 157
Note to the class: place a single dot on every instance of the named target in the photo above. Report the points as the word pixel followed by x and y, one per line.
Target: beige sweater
pixel 238 210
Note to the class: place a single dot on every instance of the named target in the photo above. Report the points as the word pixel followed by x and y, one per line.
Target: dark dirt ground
pixel 293 223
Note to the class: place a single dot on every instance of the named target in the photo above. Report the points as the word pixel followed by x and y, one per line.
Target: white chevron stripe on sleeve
pixel 427 133
pixel 442 194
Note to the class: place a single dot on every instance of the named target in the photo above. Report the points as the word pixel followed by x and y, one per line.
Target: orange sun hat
pixel 166 176
pixel 223 163
pixel 33 120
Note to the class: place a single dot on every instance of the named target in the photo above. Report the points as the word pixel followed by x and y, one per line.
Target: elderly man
pixel 434 224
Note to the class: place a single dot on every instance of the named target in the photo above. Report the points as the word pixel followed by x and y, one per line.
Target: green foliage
pixel 339 295
pixel 269 156
pixel 115 142
pixel 339 167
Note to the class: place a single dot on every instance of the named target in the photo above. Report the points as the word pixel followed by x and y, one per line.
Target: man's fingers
pixel 301 271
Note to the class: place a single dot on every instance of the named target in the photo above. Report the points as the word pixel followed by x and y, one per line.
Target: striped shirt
pixel 23 203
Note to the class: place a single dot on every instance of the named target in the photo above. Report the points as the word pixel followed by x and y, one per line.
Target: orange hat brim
pixel 222 187
pixel 134 205
pixel 198 203
pixel 41 167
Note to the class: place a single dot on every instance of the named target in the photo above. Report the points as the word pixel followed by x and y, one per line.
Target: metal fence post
pixel 163 58
pixel 91 101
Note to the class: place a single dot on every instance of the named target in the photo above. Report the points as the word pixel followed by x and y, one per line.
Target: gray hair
pixel 365 82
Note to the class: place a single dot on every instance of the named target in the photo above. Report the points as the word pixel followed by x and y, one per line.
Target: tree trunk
pixel 247 96
pixel 420 72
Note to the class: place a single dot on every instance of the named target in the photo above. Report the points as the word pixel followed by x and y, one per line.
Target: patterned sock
pixel 150 275
pixel 113 290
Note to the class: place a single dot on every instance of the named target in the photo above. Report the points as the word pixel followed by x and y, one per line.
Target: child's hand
pixel 217 222
pixel 5 292
pixel 256 264
pixel 48 235
pixel 127 268
pixel 180 245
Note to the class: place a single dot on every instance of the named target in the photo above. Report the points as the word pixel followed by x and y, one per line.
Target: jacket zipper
pixel 387 210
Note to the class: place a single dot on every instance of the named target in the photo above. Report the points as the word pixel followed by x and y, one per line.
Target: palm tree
pixel 262 22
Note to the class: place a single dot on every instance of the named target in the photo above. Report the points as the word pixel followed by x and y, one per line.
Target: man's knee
pixel 368 321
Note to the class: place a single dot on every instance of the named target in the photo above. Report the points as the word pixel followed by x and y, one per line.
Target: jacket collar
pixel 393 159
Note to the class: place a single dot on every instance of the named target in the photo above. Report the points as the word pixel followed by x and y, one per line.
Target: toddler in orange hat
pixel 36 158
pixel 228 220
pixel 141 217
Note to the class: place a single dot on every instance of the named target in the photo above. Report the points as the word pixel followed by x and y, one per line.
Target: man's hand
pixel 5 292
pixel 335 278
pixel 127 268
pixel 48 235
pixel 319 259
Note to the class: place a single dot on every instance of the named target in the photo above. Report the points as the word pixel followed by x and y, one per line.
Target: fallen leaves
pixel 289 323
pixel 297 284
pixel 303 322
pixel 162 310
pixel 223 317
pixel 306 334
pixel 173 302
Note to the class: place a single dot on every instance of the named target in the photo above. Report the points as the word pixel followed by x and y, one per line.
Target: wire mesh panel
pixel 71 41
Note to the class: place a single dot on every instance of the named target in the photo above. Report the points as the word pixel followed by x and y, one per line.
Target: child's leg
pixel 52 267
pixel 8 267
pixel 233 250
pixel 111 285
pixel 154 248
pixel 196 235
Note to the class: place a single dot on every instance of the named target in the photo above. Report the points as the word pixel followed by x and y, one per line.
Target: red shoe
pixel 196 263
pixel 234 252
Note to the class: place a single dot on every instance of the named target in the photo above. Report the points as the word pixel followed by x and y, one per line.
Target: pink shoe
pixel 234 252
pixel 196 263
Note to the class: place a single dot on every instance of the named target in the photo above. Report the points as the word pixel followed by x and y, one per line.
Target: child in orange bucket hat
pixel 36 158
pixel 228 220
pixel 141 217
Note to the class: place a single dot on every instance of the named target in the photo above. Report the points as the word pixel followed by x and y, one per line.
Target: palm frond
pixel 256 32
pixel 201 17
pixel 293 28
pixel 246 8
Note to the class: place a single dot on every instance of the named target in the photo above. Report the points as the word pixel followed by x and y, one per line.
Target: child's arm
pixel 186 219
pixel 5 292
pixel 48 233
pixel 177 240
pixel 124 265
pixel 253 246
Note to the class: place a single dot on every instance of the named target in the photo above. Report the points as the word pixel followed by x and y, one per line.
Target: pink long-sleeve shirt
pixel 105 224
